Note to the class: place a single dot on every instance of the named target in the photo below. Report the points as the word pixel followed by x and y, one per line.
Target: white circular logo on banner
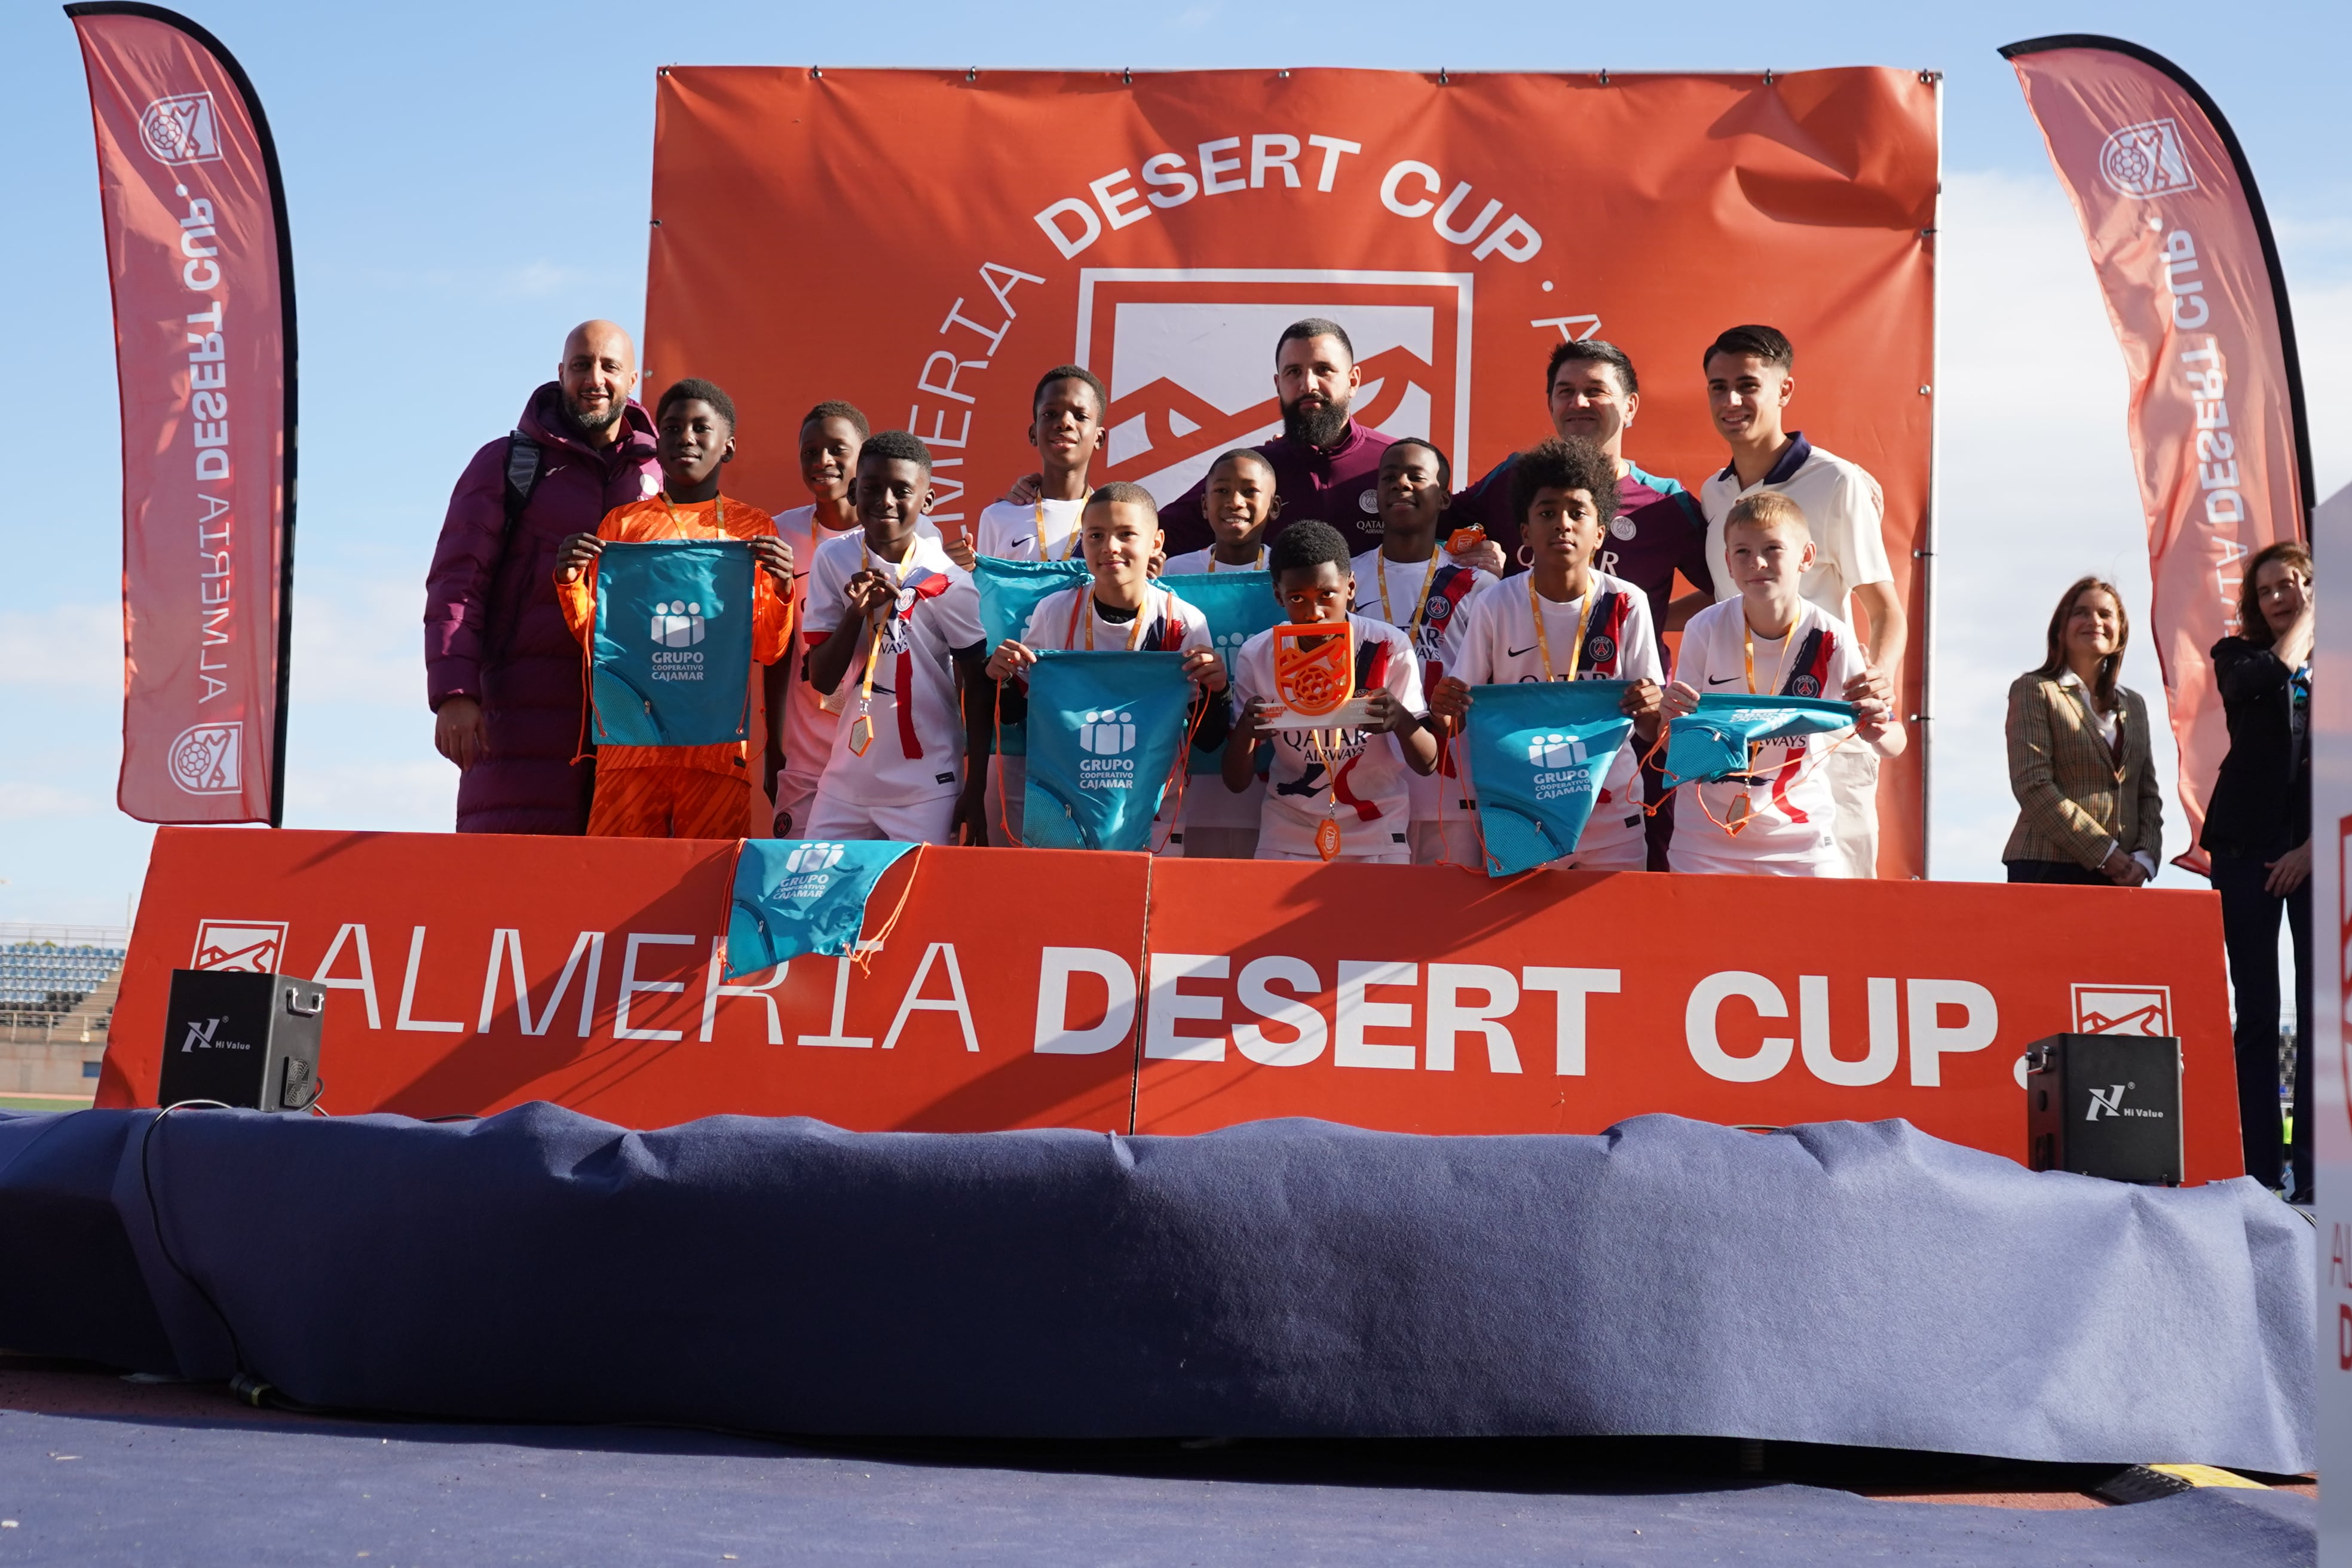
pixel 2146 160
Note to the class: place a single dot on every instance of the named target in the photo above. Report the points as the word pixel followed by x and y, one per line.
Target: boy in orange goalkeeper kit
pixel 682 792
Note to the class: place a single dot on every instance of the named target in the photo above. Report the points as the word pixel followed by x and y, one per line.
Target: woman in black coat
pixel 2258 833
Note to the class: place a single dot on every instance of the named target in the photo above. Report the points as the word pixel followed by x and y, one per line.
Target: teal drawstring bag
pixel 1009 591
pixel 1713 742
pixel 1540 751
pixel 670 651
pixel 793 897
pixel 1237 606
pixel 1104 733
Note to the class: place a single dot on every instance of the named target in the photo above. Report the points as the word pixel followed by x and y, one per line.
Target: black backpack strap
pixel 522 467
pixel 523 474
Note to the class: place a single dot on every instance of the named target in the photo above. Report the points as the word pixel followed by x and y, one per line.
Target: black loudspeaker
pixel 2105 1105
pixel 243 1039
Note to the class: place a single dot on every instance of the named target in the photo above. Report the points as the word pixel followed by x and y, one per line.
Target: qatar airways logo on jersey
pixel 1186 352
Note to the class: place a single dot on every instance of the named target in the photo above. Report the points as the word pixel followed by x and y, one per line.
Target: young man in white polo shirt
pixel 1749 380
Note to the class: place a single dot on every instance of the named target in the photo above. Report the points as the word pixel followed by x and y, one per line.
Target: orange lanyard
pixel 874 644
pixel 1256 565
pixel 1543 638
pixel 1429 580
pixel 1077 530
pixel 1085 607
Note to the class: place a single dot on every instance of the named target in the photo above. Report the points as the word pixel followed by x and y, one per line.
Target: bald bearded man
pixel 501 669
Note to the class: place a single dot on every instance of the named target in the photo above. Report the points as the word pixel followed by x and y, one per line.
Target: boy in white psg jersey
pixel 802 721
pixel 1239 502
pixel 1353 788
pixel 1412 584
pixel 1119 608
pixel 1065 425
pixel 1773 640
pixel 1561 620
pixel 891 622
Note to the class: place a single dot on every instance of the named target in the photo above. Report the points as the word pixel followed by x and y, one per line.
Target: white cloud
pixel 22 800
pixel 66 648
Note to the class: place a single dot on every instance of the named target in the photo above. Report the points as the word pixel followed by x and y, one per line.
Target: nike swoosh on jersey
pixel 1017 543
pixel 1721 679
pixel 1521 652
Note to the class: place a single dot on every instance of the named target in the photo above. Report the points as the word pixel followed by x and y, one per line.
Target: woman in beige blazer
pixel 2089 810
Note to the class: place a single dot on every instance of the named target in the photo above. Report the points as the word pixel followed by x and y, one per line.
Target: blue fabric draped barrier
pixel 1105 731
pixel 1539 752
pixel 1238 606
pixel 793 897
pixel 671 653
pixel 1847 1283
pixel 1714 741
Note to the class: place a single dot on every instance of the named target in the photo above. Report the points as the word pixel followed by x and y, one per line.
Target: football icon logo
pixel 180 130
pixel 2146 160
pixel 207 759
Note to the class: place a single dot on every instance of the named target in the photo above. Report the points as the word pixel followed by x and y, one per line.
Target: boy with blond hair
pixel 1769 640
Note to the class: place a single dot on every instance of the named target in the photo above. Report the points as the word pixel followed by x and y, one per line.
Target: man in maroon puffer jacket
pixel 502 669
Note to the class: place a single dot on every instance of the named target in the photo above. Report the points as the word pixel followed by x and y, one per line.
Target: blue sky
pixel 467 181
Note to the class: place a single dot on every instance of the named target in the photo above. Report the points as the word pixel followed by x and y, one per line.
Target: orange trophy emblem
pixel 1314 674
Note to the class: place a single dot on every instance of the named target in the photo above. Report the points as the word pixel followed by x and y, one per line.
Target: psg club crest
pixel 206 758
pixel 1184 352
pixel 1804 686
pixel 2146 160
pixel 1599 650
pixel 1440 607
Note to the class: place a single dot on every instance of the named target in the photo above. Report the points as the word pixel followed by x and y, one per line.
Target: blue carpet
pixel 135 1492
pixel 1843 1283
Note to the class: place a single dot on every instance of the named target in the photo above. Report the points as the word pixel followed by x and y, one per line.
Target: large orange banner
pixel 203 329
pixel 927 243
pixel 2184 255
pixel 1020 988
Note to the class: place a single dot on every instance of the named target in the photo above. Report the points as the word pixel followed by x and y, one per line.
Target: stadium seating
pixel 41 982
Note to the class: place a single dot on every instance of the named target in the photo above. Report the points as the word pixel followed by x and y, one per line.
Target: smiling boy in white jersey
pixel 1065 425
pixel 1565 621
pixel 1770 640
pixel 1347 785
pixel 889 615
pixel 800 721
pixel 1412 584
pixel 1120 608
pixel 1239 502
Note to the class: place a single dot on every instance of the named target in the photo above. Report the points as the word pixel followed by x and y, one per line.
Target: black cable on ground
pixel 244 1383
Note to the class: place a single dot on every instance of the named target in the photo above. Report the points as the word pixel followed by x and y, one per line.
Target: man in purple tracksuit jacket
pixel 502 669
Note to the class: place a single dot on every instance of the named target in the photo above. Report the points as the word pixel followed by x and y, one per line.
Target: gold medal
pixel 861 730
